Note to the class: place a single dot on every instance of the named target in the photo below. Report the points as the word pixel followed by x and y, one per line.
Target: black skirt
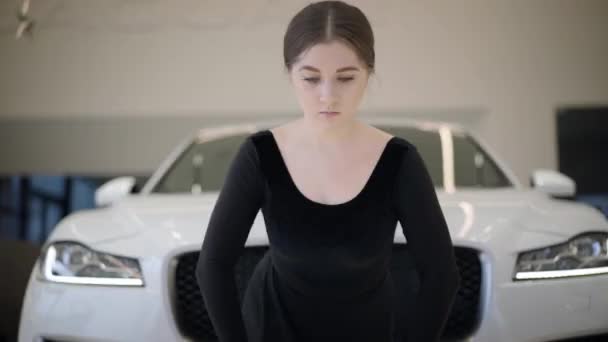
pixel 274 311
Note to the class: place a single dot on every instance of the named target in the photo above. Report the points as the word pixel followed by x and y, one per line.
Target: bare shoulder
pixel 377 134
pixel 282 132
pixel 286 126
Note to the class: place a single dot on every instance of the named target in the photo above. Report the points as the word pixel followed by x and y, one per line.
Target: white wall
pixel 513 61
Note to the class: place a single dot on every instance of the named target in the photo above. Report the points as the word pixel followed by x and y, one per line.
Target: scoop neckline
pixel 299 193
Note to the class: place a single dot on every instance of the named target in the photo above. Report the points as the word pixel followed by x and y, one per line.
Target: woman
pixel 331 190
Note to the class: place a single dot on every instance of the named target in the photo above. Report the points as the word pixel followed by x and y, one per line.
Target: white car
pixel 533 267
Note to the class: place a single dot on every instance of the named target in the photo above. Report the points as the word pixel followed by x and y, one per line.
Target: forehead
pixel 329 57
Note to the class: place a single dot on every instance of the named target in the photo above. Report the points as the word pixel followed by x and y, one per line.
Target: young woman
pixel 331 189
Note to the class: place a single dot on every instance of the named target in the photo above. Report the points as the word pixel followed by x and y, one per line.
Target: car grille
pixel 194 323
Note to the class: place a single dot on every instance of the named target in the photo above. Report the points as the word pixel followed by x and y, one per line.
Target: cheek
pixel 354 92
pixel 306 96
pixel 306 92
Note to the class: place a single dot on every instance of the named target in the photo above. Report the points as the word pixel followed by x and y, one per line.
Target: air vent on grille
pixel 194 323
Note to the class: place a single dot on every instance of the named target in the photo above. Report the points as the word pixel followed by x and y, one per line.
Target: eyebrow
pixel 348 68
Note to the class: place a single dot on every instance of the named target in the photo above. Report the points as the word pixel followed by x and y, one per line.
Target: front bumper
pixel 512 311
pixel 545 310
pixel 64 312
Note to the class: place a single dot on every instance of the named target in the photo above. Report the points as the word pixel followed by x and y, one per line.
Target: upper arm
pixel 418 210
pixel 239 202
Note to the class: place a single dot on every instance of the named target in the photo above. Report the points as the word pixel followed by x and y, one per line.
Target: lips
pixel 330 113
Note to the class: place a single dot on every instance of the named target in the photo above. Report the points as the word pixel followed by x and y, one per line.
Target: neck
pixel 321 135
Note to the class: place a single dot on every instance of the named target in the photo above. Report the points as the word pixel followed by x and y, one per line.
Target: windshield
pixel 203 166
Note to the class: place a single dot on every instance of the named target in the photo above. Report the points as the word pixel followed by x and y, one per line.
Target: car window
pixel 473 167
pixel 203 166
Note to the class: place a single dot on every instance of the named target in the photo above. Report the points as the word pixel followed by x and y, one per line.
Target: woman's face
pixel 329 77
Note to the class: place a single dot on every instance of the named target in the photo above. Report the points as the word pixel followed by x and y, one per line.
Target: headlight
pixel 583 255
pixel 73 263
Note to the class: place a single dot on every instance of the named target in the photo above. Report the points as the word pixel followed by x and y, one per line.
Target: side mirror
pixel 553 183
pixel 113 190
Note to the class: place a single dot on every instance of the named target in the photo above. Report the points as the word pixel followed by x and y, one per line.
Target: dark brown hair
pixel 327 21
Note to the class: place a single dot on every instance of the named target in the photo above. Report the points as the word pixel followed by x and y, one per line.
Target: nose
pixel 327 93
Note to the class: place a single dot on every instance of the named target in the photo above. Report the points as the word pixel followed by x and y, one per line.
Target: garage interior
pixel 94 90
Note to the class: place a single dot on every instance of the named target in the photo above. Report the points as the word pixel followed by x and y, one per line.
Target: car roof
pixel 225 130
pixel 211 133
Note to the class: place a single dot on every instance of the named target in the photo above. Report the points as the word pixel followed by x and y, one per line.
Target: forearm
pixel 218 288
pixel 432 305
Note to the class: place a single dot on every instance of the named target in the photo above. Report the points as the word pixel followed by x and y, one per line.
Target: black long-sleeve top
pixel 325 255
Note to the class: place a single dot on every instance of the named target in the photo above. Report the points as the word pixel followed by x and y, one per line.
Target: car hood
pixel 476 218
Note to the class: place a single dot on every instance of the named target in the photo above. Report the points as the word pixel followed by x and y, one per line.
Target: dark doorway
pixel 582 138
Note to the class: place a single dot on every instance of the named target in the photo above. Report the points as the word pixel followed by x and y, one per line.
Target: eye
pixel 311 79
pixel 316 79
